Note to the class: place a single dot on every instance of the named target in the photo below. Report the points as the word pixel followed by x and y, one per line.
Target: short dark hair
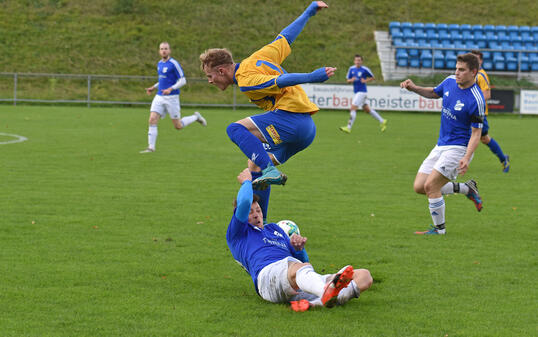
pixel 359 55
pixel 255 198
pixel 470 59
pixel 478 53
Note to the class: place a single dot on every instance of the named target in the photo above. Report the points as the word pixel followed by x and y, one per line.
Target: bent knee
pixel 363 279
pixel 419 188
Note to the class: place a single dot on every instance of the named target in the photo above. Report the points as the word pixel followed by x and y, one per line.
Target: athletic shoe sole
pixel 263 183
pixel 333 288
pixel 300 306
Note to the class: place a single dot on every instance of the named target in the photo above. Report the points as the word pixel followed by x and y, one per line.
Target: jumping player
pixel 171 78
pixel 359 75
pixel 287 127
pixel 279 264
pixel 461 126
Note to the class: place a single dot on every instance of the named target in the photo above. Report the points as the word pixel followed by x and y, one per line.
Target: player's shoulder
pixel 367 69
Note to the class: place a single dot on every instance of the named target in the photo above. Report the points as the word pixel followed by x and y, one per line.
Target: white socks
pixel 352 116
pixel 188 120
pixel 310 281
pixel 152 136
pixel 451 188
pixel 437 210
pixel 376 115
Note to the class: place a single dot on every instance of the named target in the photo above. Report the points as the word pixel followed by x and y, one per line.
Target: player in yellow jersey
pixel 287 127
pixel 482 80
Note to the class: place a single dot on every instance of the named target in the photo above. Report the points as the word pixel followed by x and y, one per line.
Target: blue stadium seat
pixel 467 35
pixel 498 61
pixel 442 28
pixel 418 27
pixel 414 62
pixel 420 35
pixel 430 28
pixel 500 31
pixel 524 31
pixel 426 58
pixel 465 28
pixel 438 59
pixel 407 28
pixel 402 57
pixel 412 52
pixel 510 59
pixel 480 39
pixel 453 27
pixel 488 64
pixel 534 33
pixel 516 42
pixel 394 24
pixel 528 41
pixel 533 58
pixel 513 31
pixel 489 30
pixel 487 55
pixel 450 59
pixel 493 44
pixel 477 29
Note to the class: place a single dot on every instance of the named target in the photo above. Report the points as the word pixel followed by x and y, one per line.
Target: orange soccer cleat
pixel 333 287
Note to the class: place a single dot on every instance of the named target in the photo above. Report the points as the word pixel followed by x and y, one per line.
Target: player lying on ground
pixel 461 127
pixel 287 127
pixel 278 264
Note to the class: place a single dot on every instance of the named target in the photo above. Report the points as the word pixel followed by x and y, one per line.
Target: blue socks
pixel 496 149
pixel 263 194
pixel 249 144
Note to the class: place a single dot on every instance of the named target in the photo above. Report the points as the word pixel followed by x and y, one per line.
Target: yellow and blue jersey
pixel 482 80
pixel 256 77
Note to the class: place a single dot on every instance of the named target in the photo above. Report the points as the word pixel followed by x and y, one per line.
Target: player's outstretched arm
pixel 244 196
pixel 292 31
pixel 318 75
pixel 422 91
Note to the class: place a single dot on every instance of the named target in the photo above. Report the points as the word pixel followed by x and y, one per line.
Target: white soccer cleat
pixel 147 150
pixel 200 119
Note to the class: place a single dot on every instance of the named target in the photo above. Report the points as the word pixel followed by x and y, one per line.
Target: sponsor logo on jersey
pixel 458 105
pixel 278 234
pixel 275 243
pixel 165 69
pixel 447 113
pixel 447 93
pixel 274 134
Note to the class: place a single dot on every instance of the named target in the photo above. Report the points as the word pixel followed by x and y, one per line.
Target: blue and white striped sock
pixel 437 211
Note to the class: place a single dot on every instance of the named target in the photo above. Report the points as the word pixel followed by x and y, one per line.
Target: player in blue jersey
pixel 359 75
pixel 482 80
pixel 461 127
pixel 287 127
pixel 171 78
pixel 278 264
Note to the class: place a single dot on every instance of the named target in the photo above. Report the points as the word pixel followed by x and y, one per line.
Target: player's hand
pixel 321 5
pixel 167 91
pixel 244 176
pixel 149 90
pixel 407 84
pixel 330 71
pixel 363 80
pixel 298 242
pixel 464 166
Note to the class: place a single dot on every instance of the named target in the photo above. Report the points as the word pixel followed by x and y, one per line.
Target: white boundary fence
pixel 89 88
pixel 326 96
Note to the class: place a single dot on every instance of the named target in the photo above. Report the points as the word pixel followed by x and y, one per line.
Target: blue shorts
pixel 485 127
pixel 285 133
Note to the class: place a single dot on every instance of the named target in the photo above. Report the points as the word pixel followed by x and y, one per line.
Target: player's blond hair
pixel 215 57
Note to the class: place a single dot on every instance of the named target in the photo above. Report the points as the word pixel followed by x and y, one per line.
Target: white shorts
pixel 359 99
pixel 273 283
pixel 166 105
pixel 445 160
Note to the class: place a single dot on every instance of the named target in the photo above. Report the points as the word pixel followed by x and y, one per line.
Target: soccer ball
pixel 289 227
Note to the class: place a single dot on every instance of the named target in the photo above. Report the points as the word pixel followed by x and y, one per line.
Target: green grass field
pixel 99 240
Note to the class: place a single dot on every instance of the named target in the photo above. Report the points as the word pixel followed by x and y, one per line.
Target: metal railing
pixel 82 90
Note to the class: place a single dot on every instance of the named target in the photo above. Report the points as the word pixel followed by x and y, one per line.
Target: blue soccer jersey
pixel 255 248
pixel 360 72
pixel 462 108
pixel 169 73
